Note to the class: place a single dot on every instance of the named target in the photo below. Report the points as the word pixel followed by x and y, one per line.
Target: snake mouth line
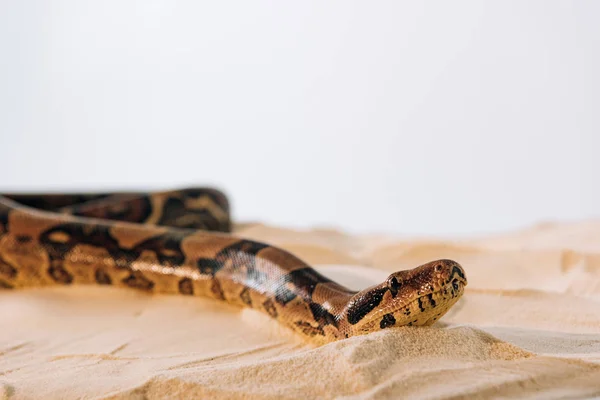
pixel 455 286
pixel 457 283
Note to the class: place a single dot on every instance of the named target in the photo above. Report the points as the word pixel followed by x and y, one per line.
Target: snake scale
pixel 180 242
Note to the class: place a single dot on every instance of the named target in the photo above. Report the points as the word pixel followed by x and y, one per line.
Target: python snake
pixel 179 242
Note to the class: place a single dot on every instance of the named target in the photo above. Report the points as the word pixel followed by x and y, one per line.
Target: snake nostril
pixel 455 284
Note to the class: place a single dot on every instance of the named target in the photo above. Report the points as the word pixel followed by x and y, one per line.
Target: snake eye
pixel 394 285
pixel 438 268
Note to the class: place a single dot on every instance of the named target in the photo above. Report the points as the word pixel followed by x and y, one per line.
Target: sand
pixel 528 326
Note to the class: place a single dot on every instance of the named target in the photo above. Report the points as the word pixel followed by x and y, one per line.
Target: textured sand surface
pixel 528 326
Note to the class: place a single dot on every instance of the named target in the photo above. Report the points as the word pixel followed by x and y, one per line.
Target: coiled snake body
pixel 178 242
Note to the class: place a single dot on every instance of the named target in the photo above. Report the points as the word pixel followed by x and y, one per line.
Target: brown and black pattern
pixel 59 274
pixel 186 286
pixel 387 321
pixel 54 201
pixel 126 207
pixel 245 296
pixel 4 211
pixel 309 330
pixel 113 239
pixel 216 289
pixel 6 270
pixel 269 307
pixel 102 277
pixel 363 305
pixel 173 210
pixel 137 280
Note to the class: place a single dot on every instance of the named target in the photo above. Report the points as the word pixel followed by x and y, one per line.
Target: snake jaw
pixel 450 294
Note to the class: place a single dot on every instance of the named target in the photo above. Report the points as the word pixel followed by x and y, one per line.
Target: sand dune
pixel 527 327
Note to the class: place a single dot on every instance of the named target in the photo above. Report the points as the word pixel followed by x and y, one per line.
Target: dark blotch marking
pixel 91 234
pixel 209 266
pixel 284 295
pixel 245 296
pixel 5 285
pixel 394 286
pixel 216 290
pixel 137 280
pixel 102 277
pixel 304 281
pixel 134 210
pixel 4 210
pixel 176 214
pixel 241 254
pixel 173 209
pixel 431 300
pixel 7 270
pixel 407 311
pixel 167 247
pixel 458 272
pixel 23 239
pixel 365 305
pixel 53 201
pixel 310 330
pixel 270 308
pixel 186 287
pixel 59 274
pixel 217 196
pixel 322 316
pixel 387 321
pixel 420 304
pixel 116 207
pixel 242 257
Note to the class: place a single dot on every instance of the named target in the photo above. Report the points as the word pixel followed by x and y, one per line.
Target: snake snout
pixel 458 274
pixel 450 270
pixel 457 277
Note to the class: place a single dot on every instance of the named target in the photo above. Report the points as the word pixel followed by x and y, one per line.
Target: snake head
pixel 419 296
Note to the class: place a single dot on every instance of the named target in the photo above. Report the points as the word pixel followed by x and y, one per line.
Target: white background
pixel 408 117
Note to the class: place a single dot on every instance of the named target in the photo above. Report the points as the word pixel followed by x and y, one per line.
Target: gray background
pixel 407 117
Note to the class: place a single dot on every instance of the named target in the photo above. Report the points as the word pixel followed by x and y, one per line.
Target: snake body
pixel 180 242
